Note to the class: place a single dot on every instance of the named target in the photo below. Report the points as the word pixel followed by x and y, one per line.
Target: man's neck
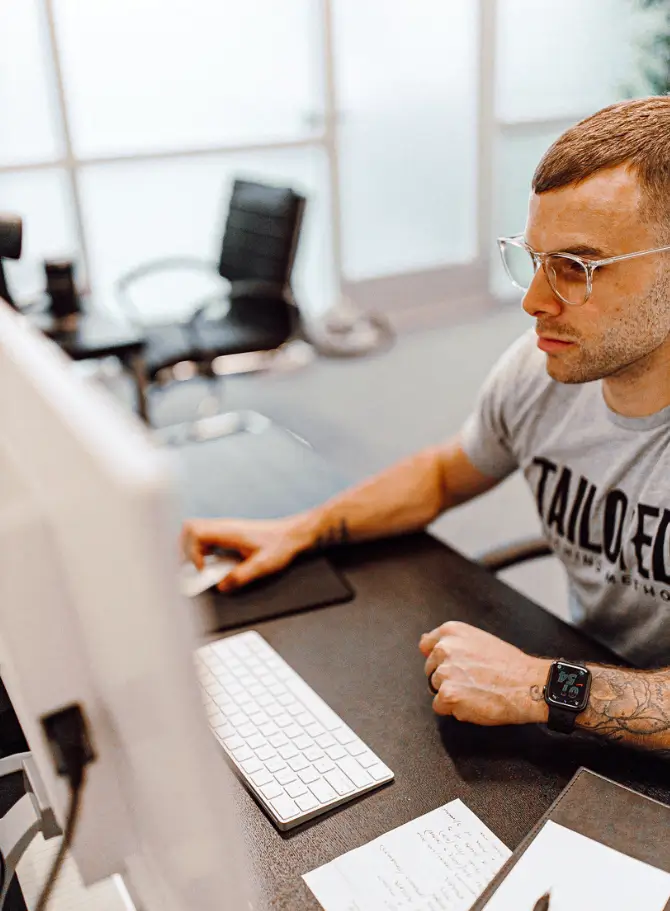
pixel 643 388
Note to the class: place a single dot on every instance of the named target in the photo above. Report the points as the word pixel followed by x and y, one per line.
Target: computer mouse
pixel 193 581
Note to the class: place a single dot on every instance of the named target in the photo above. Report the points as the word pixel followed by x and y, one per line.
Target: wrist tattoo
pixel 536 693
pixel 336 534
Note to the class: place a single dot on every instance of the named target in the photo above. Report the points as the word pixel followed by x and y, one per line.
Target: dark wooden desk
pixel 362 657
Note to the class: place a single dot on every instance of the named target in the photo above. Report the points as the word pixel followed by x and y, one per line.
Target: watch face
pixel 568 686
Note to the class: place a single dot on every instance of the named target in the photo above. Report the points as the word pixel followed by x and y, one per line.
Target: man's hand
pixel 265 546
pixel 482 679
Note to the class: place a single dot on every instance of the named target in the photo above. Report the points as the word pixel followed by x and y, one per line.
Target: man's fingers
pixel 252 568
pixel 444 702
pixel 429 640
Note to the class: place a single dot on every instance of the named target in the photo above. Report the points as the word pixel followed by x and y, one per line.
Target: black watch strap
pixel 560 719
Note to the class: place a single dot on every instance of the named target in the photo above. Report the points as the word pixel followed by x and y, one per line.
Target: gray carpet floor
pixel 363 414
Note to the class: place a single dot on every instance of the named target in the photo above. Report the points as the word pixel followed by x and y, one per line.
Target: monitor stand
pixel 30 815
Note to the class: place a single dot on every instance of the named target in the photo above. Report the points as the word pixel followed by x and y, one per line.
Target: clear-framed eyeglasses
pixel 570 277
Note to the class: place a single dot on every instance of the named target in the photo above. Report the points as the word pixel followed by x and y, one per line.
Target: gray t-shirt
pixel 602 487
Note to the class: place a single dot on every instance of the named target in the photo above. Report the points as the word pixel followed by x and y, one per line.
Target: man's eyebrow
pixel 583 250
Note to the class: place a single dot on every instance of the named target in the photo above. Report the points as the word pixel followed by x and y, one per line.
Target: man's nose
pixel 539 298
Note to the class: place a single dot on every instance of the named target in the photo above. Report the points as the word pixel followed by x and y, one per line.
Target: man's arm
pixel 626 706
pixel 483 680
pixel 403 498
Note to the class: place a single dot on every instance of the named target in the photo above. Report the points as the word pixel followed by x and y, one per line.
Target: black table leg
pixel 136 366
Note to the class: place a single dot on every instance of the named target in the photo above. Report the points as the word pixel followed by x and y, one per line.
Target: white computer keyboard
pixel 294 753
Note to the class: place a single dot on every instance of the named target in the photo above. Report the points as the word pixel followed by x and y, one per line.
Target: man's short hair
pixel 636 133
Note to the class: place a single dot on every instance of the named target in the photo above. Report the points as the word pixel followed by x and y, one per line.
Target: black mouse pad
pixel 309 583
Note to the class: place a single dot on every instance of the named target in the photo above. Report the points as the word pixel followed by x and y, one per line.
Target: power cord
pixel 67 733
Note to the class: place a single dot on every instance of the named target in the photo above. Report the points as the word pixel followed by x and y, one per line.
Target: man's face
pixel 627 317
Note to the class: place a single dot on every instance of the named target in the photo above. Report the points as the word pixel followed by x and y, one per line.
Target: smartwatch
pixel 567 694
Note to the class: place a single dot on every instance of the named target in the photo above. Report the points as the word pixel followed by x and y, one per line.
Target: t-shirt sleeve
pixel 485 436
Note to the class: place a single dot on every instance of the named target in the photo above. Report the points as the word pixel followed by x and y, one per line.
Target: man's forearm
pixel 625 706
pixel 630 706
pixel 405 497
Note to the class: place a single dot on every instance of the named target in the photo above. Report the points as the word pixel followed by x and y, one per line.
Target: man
pixel 582 406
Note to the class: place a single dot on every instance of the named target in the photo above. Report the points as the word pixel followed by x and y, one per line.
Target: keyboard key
pixel 275 764
pixel 308 775
pixel 283 721
pixel 266 752
pixel 252 765
pixel 295 789
pixel 344 736
pixel 259 718
pixel 314 729
pixel 278 740
pixel 242 754
pixel 325 740
pixel 294 709
pixel 268 729
pixel 285 699
pixel 233 742
pixel 256 741
pixel 324 765
pixel 246 730
pixel 322 791
pixel 304 718
pixel 306 802
pixel 298 763
pixel 378 771
pixel 262 777
pixel 313 753
pixel 293 731
pixel 265 700
pixel 353 770
pixel 357 748
pixel 288 751
pixel 339 781
pixel 217 719
pixel 285 776
pixel 284 807
pixel 238 719
pixel 336 752
pixel 303 742
pixel 366 758
pixel 271 790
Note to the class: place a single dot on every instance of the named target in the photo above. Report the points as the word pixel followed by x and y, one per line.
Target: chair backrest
pixel 262 231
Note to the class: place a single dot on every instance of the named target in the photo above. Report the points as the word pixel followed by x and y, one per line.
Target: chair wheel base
pixel 213 427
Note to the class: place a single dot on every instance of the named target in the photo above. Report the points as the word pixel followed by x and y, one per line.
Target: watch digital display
pixel 568 686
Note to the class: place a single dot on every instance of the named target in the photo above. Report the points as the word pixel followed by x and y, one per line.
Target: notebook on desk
pixel 600 811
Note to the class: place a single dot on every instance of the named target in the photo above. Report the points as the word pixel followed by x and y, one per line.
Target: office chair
pixel 512 554
pixel 257 255
pixel 11 237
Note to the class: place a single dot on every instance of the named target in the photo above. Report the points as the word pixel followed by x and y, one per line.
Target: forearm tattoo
pixel 630 707
pixel 336 534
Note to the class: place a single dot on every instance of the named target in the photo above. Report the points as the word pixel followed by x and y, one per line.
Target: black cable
pixel 67 734
pixel 76 789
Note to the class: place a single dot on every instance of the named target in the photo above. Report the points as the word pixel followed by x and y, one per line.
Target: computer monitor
pixel 90 613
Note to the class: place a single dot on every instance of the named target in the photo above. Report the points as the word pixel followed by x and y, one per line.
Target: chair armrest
pixel 517 552
pixel 155 267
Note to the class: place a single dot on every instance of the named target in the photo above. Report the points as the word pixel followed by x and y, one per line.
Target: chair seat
pixel 168 345
pixel 216 338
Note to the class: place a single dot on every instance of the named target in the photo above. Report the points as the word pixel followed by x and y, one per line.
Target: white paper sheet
pixel 439 862
pixel 581 875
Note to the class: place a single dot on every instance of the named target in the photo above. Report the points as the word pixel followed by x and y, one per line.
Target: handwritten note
pixel 581 875
pixel 439 862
